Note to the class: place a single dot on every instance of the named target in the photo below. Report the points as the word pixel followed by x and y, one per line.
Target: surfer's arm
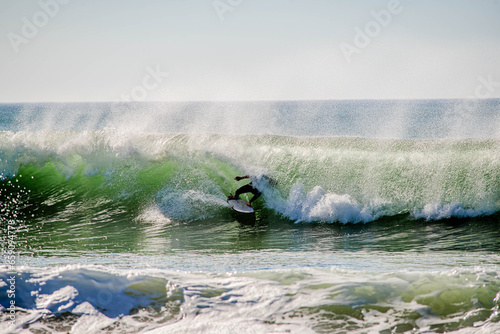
pixel 237 178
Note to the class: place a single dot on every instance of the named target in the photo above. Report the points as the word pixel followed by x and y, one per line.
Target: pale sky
pixel 212 50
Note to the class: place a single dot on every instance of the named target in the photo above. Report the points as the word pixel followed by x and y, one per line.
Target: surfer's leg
pixel 256 194
pixel 245 189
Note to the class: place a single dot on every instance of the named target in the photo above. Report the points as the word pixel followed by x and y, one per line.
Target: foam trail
pixel 435 211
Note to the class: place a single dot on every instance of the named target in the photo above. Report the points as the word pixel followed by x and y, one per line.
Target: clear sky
pixel 176 50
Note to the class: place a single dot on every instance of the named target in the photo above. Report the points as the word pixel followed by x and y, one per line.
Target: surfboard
pixel 240 205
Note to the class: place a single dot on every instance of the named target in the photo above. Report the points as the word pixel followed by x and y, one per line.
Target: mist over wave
pixel 397 119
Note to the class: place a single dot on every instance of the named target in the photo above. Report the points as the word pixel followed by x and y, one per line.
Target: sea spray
pixel 394 119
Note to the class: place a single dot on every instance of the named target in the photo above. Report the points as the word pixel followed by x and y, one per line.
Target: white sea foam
pixel 272 301
pixel 436 211
pixel 317 205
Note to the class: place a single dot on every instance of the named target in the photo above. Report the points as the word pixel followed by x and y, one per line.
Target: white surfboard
pixel 240 205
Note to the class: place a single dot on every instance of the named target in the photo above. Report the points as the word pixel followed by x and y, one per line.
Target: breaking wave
pixel 187 177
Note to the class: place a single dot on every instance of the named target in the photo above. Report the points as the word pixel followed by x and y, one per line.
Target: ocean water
pixel 385 218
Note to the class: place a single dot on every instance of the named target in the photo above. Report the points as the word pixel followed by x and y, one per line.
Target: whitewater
pixel 385 218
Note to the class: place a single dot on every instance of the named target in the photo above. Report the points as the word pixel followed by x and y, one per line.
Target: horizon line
pixel 263 100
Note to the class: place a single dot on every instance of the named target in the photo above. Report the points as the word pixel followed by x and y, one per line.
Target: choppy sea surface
pixel 385 218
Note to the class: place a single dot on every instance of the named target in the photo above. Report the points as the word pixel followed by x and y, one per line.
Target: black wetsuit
pixel 248 188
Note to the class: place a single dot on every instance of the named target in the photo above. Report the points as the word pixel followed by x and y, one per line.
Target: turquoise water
pixel 385 217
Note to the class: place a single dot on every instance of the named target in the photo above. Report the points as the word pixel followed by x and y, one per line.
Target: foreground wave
pixel 327 179
pixel 90 299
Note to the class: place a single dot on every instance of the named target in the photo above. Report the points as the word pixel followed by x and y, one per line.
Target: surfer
pixel 247 188
pixel 250 188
